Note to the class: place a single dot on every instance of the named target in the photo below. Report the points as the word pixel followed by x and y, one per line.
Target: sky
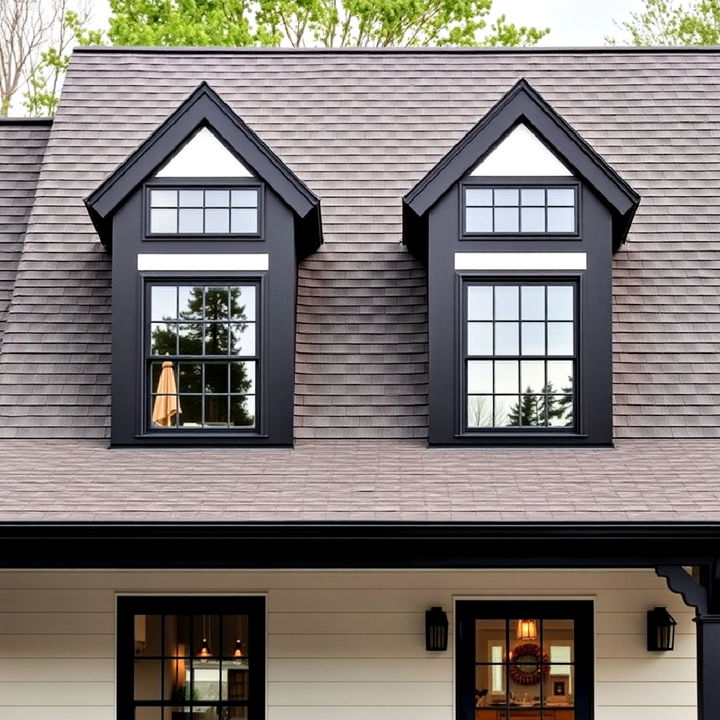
pixel 573 22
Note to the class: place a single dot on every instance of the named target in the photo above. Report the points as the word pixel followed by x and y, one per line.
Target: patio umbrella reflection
pixel 166 404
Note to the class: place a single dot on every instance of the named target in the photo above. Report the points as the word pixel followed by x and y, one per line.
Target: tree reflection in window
pixel 209 334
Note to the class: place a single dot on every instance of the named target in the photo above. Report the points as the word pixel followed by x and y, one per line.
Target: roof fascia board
pixel 523 104
pixel 202 108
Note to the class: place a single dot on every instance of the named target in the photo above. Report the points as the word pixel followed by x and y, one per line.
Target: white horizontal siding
pixel 344 645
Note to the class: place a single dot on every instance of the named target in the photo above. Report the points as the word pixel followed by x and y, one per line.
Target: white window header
pixel 203 262
pixel 521 154
pixel 520 261
pixel 204 156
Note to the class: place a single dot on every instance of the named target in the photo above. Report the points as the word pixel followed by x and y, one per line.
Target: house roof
pixel 361 128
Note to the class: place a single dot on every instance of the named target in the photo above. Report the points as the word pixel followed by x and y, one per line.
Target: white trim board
pixel 520 261
pixel 203 262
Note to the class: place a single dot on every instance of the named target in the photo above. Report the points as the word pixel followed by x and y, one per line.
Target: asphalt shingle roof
pixel 361 128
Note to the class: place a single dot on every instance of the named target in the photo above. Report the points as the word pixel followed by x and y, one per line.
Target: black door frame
pixel 581 611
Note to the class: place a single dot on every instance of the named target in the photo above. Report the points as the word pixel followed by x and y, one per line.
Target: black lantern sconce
pixel 660 629
pixel 436 629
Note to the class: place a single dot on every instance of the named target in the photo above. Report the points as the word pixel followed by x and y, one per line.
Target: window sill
pixel 536 439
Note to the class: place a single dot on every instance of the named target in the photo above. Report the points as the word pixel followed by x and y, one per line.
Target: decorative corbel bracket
pixel 680 581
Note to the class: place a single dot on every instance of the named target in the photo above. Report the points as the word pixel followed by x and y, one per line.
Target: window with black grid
pixel 203 211
pixel 520 355
pixel 202 361
pixel 510 210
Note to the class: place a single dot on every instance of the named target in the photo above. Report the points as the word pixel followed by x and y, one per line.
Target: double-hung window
pixel 202 355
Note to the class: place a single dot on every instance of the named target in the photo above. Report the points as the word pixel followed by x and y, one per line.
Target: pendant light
pixel 239 652
pixel 204 653
pixel 527 630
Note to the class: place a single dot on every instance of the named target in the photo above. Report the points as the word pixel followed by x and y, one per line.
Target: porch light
pixel 660 629
pixel 527 630
pixel 436 629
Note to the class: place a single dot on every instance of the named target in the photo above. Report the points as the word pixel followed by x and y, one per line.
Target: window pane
pixel 506 302
pixel 504 411
pixel 216 410
pixel 216 377
pixel 217 198
pixel 191 198
pixel 531 410
pixel 216 338
pixel 242 377
pixel 480 302
pixel 163 221
pixel 533 338
pixel 244 220
pixel 163 198
pixel 506 376
pixel 560 410
pixel 533 219
pixel 560 302
pixel 191 302
pixel 148 713
pixel 206 681
pixel 242 300
pixel 507 197
pixel 561 196
pixel 216 303
pixel 480 338
pixel 163 302
pixel 506 338
pixel 506 220
pixel 478 220
pixel 163 339
pixel 242 410
pixel 242 338
pixel 480 411
pixel 560 338
pixel 533 302
pixel 217 221
pixel 480 377
pixel 190 221
pixel 533 197
pixel 148 676
pixel 560 375
pixel 190 378
pixel 478 196
pixel 191 415
pixel 561 220
pixel 532 376
pixel 190 338
pixel 244 198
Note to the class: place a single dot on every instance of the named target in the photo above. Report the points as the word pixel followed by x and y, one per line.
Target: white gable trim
pixel 204 156
pixel 200 263
pixel 521 154
pixel 520 261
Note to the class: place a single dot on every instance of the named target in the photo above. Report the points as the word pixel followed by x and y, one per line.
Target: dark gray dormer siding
pixel 361 129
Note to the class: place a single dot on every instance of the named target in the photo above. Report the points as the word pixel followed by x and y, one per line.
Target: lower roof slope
pixel 22 145
pixel 361 128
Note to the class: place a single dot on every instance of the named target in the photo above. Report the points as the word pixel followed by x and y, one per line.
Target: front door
pixel 524 660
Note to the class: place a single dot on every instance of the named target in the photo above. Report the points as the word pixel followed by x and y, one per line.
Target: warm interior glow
pixel 204 651
pixel 238 652
pixel 527 630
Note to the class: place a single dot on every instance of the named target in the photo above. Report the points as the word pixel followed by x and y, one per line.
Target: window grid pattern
pixel 539 210
pixel 520 357
pixel 203 359
pixel 209 211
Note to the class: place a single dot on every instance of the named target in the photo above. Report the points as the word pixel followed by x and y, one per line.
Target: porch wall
pixel 341 645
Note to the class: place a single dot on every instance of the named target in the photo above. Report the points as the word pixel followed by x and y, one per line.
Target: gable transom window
pixel 202 355
pixel 189 658
pixel 204 211
pixel 509 210
pixel 520 355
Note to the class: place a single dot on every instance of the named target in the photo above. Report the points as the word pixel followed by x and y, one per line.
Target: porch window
pixel 191 658
pixel 524 660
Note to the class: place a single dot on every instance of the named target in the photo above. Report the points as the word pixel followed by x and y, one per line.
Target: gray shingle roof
pixel 361 128
pixel 22 144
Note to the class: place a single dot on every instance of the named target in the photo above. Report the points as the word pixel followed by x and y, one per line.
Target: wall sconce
pixel 527 630
pixel 660 629
pixel 436 629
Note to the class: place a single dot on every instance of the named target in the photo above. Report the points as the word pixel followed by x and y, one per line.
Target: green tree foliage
pixel 671 22
pixel 532 410
pixel 325 23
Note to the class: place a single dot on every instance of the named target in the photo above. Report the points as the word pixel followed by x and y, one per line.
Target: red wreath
pixel 520 676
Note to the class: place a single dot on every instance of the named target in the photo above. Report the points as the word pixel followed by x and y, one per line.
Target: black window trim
pixel 550 182
pixel 582 611
pixel 202 183
pixel 147 279
pixel 252 604
pixel 526 435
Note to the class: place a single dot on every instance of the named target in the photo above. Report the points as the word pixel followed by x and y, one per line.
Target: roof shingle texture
pixel 361 129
